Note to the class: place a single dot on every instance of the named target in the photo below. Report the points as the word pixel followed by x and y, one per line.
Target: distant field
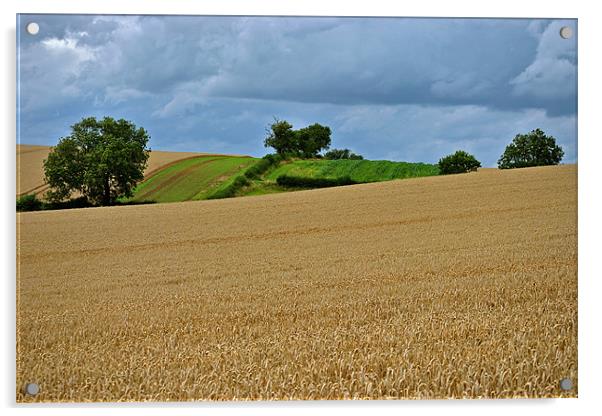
pixel 184 176
pixel 358 170
pixel 447 286
pixel 199 178
pixel 30 168
pixel 361 171
pixel 190 179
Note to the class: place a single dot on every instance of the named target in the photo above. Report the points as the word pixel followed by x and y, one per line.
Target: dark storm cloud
pixel 213 83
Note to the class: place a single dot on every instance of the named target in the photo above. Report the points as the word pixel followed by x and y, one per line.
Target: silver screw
pixel 566 32
pixel 32 389
pixel 32 28
pixel 566 384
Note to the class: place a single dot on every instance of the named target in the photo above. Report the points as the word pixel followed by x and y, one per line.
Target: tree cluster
pixel 307 142
pixel 532 149
pixel 458 162
pixel 336 154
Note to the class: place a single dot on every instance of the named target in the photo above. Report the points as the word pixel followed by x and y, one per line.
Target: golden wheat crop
pixel 456 286
pixel 30 168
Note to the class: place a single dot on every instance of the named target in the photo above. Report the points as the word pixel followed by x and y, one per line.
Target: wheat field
pixel 460 286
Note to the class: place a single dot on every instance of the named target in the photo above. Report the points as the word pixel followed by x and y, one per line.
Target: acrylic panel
pixel 295 208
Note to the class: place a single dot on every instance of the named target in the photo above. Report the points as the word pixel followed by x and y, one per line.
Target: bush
pixel 253 172
pixel 29 203
pixel 305 182
pixel 459 162
pixel 261 166
pixel 533 149
pixel 231 189
pixel 273 159
pixel 336 154
pixel 81 202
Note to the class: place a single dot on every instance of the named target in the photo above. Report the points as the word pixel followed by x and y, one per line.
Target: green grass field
pixel 190 179
pixel 357 170
pixel 207 177
pixel 360 171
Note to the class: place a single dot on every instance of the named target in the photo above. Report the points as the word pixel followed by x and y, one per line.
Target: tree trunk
pixel 106 197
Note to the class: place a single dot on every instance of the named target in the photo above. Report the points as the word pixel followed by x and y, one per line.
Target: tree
pixel 306 142
pixel 101 159
pixel 532 149
pixel 311 140
pixel 281 137
pixel 459 162
pixel 335 154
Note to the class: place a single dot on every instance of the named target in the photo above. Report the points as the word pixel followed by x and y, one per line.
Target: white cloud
pixel 117 95
pixel 54 70
pixel 68 48
pixel 184 99
pixel 552 74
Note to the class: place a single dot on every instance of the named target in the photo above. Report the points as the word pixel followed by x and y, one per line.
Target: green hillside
pixel 210 177
pixel 190 179
pixel 357 170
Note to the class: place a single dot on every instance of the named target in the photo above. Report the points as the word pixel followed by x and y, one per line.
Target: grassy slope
pixel 190 179
pixel 358 170
pixel 201 177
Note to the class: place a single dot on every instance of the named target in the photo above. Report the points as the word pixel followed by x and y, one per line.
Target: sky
pixel 403 89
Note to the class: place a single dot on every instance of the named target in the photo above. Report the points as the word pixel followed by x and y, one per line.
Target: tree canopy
pixel 306 142
pixel 532 149
pixel 312 139
pixel 459 162
pixel 334 154
pixel 101 159
pixel 281 137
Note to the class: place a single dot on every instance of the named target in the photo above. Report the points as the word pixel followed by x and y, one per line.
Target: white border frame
pixel 589 149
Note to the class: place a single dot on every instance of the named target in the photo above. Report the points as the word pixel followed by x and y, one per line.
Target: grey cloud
pixel 552 76
pixel 325 60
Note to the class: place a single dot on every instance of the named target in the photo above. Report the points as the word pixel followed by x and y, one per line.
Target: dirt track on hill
pixel 172 180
